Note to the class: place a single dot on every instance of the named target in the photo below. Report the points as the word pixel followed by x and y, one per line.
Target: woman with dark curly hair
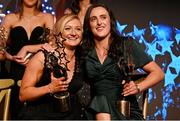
pixel 106 62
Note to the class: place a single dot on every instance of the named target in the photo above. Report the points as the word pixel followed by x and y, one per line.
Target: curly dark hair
pixel 117 50
pixel 75 6
pixel 116 45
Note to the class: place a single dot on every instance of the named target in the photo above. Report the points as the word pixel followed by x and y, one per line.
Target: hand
pixel 2 55
pixel 20 57
pixel 130 88
pixel 21 60
pixel 8 55
pixel 58 84
pixel 22 53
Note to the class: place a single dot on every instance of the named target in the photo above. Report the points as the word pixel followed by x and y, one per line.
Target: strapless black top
pixel 19 38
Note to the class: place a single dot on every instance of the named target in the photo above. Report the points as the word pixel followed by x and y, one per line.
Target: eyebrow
pixel 99 15
pixel 71 26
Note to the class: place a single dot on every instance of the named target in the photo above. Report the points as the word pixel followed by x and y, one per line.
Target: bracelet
pixel 50 91
pixel 138 88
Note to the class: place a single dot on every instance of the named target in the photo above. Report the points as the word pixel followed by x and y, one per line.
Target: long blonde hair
pixel 59 26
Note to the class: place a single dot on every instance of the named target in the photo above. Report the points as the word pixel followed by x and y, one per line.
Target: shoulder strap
pixel 46 53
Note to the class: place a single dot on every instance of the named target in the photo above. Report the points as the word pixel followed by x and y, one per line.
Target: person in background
pixel 105 60
pixel 24 27
pixel 39 85
pixel 60 6
pixel 79 7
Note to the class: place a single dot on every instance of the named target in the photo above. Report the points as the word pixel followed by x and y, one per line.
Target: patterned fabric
pixel 47 107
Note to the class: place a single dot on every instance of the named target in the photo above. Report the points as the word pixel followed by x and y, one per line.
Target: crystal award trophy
pixel 127 66
pixel 57 63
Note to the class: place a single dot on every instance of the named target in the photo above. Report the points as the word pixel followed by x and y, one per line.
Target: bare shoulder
pixel 10 19
pixel 11 16
pixel 37 59
pixel 48 19
pixel 47 15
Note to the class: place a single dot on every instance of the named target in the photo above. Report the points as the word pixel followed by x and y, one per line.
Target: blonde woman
pixel 39 85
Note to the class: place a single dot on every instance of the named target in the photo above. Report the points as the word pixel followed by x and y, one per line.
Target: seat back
pixel 19 83
pixel 5 93
pixel 142 97
pixel 145 103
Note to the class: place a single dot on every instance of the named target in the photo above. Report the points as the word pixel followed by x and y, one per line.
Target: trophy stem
pixel 124 107
pixel 64 101
pixel 127 65
pixel 124 104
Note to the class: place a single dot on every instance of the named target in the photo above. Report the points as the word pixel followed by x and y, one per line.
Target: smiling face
pixel 100 23
pixel 72 32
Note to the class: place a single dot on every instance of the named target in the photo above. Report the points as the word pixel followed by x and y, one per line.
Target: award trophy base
pixel 64 101
pixel 124 107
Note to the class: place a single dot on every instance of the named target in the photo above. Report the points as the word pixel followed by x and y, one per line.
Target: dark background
pixel 140 12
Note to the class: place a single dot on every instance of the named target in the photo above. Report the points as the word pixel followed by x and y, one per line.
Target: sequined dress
pixel 47 107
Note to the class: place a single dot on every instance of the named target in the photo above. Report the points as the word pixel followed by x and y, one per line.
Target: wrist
pixel 50 89
pixel 26 48
pixel 2 57
pixel 138 88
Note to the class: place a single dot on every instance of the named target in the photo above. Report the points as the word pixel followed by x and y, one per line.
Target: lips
pixel 99 28
pixel 74 38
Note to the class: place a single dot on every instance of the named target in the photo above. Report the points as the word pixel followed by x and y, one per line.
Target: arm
pixel 21 56
pixel 33 73
pixel 29 49
pixel 26 52
pixel 155 75
pixel 5 27
pixel 2 57
pixel 4 33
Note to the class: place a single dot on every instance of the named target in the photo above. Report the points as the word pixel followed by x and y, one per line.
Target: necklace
pixel 103 51
pixel 102 54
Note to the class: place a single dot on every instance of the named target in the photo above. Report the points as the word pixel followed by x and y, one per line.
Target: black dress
pixel 18 39
pixel 106 85
pixel 47 107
